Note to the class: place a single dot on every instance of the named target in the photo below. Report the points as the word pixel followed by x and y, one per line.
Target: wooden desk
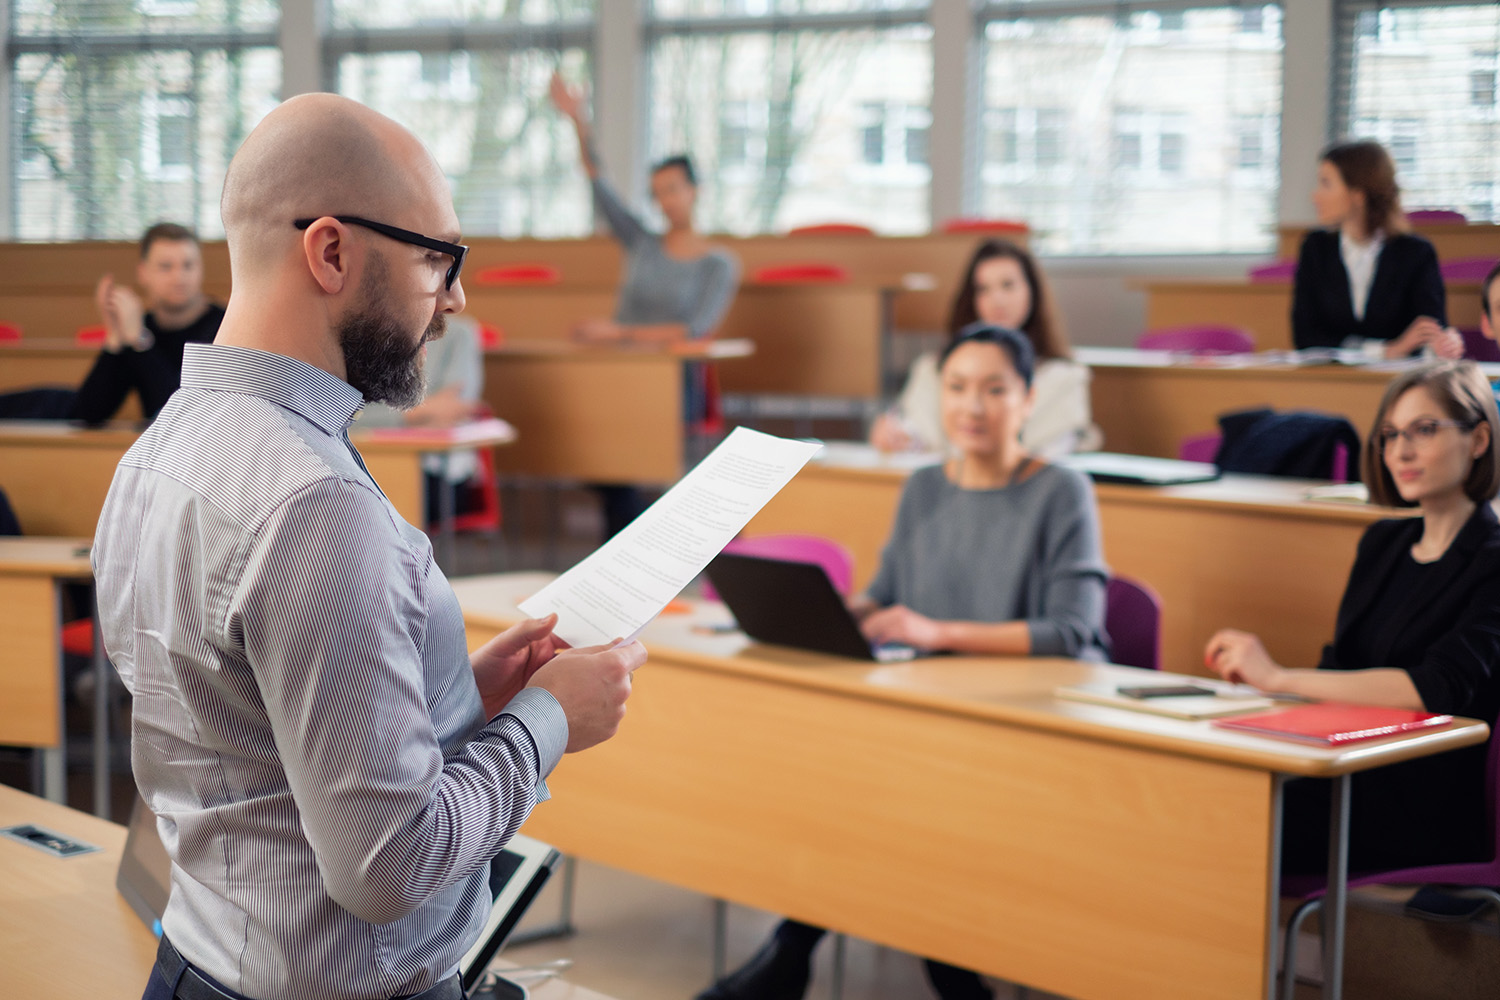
pixel 1265 309
pixel 596 414
pixel 950 807
pixel 1452 242
pixel 57 474
pixel 70 935
pixel 29 364
pixel 1245 551
pixel 1146 402
pixel 32 572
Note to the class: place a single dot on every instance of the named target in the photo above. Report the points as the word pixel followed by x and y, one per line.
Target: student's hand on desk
pixel 591 684
pixel 888 434
pixel 903 625
pixel 443 409
pixel 1241 658
pixel 1424 330
pixel 599 331
pixel 506 664
pixel 1447 343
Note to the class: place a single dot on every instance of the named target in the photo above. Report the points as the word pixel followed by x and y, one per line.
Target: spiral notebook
pixel 1334 724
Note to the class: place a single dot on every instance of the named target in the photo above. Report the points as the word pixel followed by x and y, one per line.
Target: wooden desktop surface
pixel 1452 242
pixel 1245 552
pixel 951 807
pixel 597 414
pixel 1263 308
pixel 57 475
pixel 1147 402
pixel 69 934
pixel 31 695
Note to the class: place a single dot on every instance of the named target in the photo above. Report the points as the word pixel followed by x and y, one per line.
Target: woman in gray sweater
pixel 995 552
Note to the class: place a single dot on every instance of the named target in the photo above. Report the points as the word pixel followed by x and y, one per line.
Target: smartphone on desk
pixel 1166 691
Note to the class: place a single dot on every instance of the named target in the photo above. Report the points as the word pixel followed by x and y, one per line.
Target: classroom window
pixel 845 138
pixel 127 112
pixel 470 79
pixel 1132 112
pixel 1422 79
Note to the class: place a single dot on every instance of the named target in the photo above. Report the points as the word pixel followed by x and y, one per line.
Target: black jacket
pixel 154 373
pixel 1447 637
pixel 1407 284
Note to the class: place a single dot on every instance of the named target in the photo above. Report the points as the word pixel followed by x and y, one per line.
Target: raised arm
pixel 570 103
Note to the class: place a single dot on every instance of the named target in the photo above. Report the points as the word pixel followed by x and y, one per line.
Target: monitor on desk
pixel 516 875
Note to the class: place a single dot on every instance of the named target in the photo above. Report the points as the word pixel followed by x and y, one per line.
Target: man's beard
pixel 379 357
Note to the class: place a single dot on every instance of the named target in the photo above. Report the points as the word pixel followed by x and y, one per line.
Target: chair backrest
pixel 1276 272
pixel 1203 339
pixel 1478 347
pixel 812 272
pixel 10 331
pixel 971 224
pixel 1466 270
pixel 1132 617
pixel 1428 216
pixel 487 517
pixel 518 274
pixel 90 335
pixel 836 560
pixel 490 336
pixel 832 229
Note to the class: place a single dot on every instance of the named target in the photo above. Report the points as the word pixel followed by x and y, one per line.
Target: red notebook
pixel 1333 724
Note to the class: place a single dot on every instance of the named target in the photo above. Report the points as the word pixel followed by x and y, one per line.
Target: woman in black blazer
pixel 1404 307
pixel 1418 628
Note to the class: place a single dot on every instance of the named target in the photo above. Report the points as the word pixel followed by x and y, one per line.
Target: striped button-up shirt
pixel 306 723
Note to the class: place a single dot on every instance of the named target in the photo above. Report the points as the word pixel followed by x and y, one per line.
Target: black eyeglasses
pixel 455 250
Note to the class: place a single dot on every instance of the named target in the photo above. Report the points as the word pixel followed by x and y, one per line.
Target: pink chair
pixel 1438 216
pixel 1478 878
pixel 836 560
pixel 971 224
pixel 1478 347
pixel 804 273
pixel 1132 617
pixel 1466 270
pixel 1278 272
pixel 1205 339
pixel 832 229
pixel 1200 447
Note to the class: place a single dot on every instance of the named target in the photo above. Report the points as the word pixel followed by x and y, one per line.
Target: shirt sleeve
pixel 1306 318
pixel 623 223
pixel 331 612
pixel 883 589
pixel 1428 296
pixel 1072 619
pixel 1061 416
pixel 920 402
pixel 1458 674
pixel 720 281
pixel 105 387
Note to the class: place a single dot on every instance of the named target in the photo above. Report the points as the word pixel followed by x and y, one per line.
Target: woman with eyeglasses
pixel 1418 628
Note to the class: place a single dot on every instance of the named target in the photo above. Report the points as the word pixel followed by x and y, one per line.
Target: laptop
pixel 793 604
pixel 517 874
pixel 1140 470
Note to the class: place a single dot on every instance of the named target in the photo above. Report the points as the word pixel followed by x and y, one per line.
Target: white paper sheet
pixel 621 586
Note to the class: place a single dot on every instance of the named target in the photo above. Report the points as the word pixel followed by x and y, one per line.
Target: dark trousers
pixel 948 981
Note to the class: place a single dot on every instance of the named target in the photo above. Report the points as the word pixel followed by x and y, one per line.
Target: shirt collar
pixel 329 402
pixel 1349 248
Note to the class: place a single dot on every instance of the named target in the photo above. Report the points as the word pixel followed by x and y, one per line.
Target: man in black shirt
pixel 143 341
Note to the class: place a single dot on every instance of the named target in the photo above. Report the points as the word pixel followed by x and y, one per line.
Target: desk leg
pixel 101 720
pixel 1273 896
pixel 55 759
pixel 1338 884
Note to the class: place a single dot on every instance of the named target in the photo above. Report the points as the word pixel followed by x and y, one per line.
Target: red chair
pixel 832 229
pixel 1478 879
pixel 836 560
pixel 1200 447
pixel 9 331
pixel 1438 216
pixel 1204 339
pixel 89 335
pixel 491 337
pixel 807 273
pixel 502 275
pixel 1275 273
pixel 1466 270
pixel 78 637
pixel 486 518
pixel 970 224
pixel 1132 617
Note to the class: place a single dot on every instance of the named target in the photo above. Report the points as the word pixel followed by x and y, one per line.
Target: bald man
pixel 331 770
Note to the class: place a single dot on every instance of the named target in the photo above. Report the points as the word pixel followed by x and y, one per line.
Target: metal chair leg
pixel 836 982
pixel 721 939
pixel 1289 951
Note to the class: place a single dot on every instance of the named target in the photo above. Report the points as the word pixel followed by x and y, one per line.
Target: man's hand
pixel 901 624
pixel 506 664
pixel 591 684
